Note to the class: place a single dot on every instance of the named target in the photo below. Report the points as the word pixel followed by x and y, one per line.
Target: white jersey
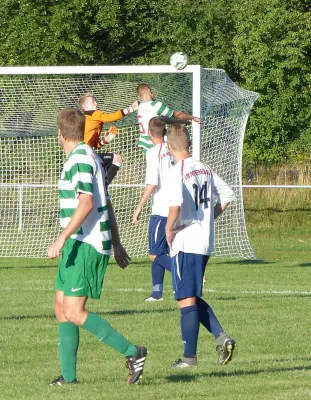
pixel 193 186
pixel 157 173
pixel 83 173
pixel 146 111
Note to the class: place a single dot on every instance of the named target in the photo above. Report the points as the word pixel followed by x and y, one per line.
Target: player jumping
pixel 94 121
pixel 150 107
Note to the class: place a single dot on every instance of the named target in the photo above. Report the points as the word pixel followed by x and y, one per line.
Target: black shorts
pixel 106 158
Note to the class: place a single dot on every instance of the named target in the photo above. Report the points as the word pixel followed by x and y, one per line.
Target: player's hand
pixel 131 108
pixel 56 247
pixel 121 256
pixel 136 215
pixel 196 119
pixel 170 234
pixel 109 136
pixel 135 105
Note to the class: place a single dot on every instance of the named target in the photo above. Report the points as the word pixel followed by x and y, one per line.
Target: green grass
pixel 264 305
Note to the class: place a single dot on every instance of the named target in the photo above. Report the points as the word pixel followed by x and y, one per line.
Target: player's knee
pixel 117 158
pixel 152 257
pixel 73 316
pixel 58 309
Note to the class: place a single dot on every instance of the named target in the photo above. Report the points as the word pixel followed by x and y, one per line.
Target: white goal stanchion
pixel 31 159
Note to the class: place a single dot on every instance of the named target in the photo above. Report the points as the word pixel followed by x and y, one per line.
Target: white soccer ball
pixel 179 60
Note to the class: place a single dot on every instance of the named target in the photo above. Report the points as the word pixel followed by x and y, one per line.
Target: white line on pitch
pixel 206 290
pixel 290 292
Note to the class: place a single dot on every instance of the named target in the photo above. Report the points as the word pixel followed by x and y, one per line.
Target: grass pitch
pixel 264 305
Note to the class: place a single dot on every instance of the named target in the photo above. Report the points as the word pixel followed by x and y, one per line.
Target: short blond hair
pixel 71 123
pixel 178 137
pixel 157 127
pixel 83 100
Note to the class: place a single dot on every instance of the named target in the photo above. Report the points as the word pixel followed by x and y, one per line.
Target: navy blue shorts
pixel 187 274
pixel 106 158
pixel 157 237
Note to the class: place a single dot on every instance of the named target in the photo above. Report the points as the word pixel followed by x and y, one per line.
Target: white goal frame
pixel 197 109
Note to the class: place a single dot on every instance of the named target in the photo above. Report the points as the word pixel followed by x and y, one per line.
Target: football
pixel 179 60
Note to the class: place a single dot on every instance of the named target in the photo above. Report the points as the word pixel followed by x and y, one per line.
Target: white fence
pixel 20 188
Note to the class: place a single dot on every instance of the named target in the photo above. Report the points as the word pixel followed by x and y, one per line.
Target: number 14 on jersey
pixel 200 197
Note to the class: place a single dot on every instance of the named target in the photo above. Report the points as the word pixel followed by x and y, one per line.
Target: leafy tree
pixel 74 32
pixel 202 29
pixel 263 45
pixel 272 56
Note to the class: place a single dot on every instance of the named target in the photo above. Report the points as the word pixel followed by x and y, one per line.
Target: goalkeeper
pixel 94 121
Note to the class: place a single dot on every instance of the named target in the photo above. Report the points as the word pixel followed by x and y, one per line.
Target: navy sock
pixel 165 261
pixel 190 325
pixel 157 273
pixel 207 318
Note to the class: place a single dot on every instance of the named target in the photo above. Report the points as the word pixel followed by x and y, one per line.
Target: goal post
pixel 31 158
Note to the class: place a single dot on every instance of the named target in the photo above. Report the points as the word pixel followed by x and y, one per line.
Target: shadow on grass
pixel 273 296
pixel 111 263
pixel 102 313
pixel 305 265
pixel 221 374
pixel 277 210
pixel 243 262
pixel 31 267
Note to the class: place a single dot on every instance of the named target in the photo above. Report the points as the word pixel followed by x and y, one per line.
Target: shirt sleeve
pixel 152 169
pixel 82 177
pixel 109 117
pixel 175 187
pixel 223 191
pixel 163 109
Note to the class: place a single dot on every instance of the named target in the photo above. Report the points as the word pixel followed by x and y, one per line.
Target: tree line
pixel 263 45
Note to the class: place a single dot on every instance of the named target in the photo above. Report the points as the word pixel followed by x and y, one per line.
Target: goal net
pixel 31 158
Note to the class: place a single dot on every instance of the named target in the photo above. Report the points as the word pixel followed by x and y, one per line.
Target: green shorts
pixel 81 270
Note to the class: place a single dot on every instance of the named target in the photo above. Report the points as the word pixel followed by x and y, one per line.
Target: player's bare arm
pixel 120 254
pixel 171 220
pixel 82 211
pixel 145 196
pixel 182 115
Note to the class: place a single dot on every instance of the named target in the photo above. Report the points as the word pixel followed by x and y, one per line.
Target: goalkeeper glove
pixel 108 136
pixel 130 109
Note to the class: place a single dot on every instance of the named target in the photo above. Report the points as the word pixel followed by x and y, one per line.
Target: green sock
pixel 104 332
pixel 68 343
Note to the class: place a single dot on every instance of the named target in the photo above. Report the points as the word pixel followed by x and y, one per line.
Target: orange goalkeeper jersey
pixel 94 121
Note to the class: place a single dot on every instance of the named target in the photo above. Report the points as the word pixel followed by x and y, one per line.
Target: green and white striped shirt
pixel 83 173
pixel 146 111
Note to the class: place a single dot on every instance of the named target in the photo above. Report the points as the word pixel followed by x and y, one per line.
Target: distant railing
pixel 21 186
pixel 277 186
